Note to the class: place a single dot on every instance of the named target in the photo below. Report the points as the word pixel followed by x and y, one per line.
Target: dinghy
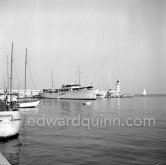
pixel 29 103
pixel 87 103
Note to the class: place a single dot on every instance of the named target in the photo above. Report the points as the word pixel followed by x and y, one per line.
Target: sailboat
pixel 10 118
pixel 144 92
pixel 27 102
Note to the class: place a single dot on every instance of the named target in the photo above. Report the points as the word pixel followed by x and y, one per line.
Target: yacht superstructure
pixel 71 91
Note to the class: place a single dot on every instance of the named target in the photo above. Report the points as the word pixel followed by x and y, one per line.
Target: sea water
pixel 109 131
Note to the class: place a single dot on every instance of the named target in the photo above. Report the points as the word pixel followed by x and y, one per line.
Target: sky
pixel 110 40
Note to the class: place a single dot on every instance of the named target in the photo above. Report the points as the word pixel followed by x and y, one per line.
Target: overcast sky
pixel 110 39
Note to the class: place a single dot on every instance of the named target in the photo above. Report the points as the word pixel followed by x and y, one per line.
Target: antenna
pixel 78 73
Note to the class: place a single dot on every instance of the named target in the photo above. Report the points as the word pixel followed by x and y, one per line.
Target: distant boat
pixel 101 94
pixel 144 92
pixel 27 102
pixel 87 103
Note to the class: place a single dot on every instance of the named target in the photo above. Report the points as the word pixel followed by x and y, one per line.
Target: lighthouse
pixel 118 86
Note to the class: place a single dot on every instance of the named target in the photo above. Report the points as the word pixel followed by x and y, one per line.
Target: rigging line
pixel 32 78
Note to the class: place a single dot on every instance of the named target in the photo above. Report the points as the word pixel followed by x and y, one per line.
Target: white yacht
pixel 71 91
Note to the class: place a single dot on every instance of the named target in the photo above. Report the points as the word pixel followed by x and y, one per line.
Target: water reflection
pixel 118 103
pixel 65 106
pixel 47 102
pixel 29 111
pixel 145 103
pixel 12 150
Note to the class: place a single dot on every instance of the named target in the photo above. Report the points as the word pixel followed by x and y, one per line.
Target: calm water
pixel 62 144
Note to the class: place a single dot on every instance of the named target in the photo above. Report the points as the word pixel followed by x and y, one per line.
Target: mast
pixel 25 73
pixel 11 73
pixel 79 77
pixel 4 86
pixel 18 88
pixel 52 79
pixel 108 84
pixel 7 73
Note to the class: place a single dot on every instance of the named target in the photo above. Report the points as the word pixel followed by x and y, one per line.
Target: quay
pixel 3 160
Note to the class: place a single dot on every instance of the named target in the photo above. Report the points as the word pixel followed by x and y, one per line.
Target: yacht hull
pixel 10 122
pixel 72 95
pixel 30 104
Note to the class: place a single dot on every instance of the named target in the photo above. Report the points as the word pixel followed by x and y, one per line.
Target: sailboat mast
pixel 11 72
pixel 52 80
pixel 18 88
pixel 25 73
pixel 4 86
pixel 79 77
pixel 7 73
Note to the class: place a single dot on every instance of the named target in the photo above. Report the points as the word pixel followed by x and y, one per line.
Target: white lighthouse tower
pixel 118 86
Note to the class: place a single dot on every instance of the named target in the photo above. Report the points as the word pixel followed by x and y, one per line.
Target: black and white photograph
pixel 83 82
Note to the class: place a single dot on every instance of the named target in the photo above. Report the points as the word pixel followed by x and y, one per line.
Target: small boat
pixel 87 103
pixel 101 94
pixel 144 92
pixel 28 103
